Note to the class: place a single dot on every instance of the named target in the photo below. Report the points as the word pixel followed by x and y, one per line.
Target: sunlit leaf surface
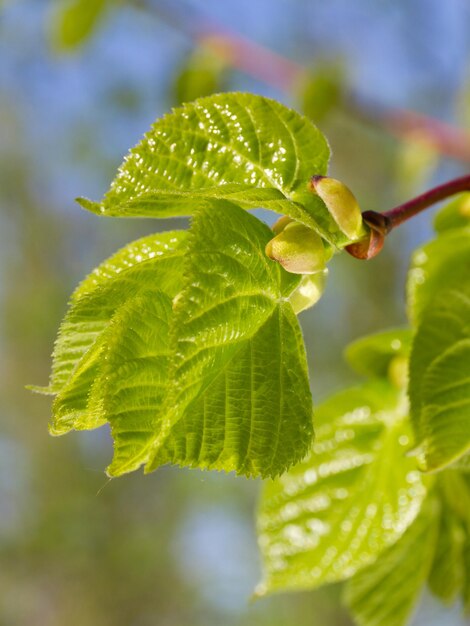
pixel 448 570
pixel 386 593
pixel 440 379
pixel 188 346
pixel 439 265
pixel 156 260
pixel 239 147
pixel 354 496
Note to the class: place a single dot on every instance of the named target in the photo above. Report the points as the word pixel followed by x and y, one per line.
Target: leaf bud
pixel 298 249
pixel 341 204
pixel 281 223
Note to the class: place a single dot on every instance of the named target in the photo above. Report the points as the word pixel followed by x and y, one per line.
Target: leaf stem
pixel 382 223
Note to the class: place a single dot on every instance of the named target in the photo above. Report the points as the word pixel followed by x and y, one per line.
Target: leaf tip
pixel 56 431
pixel 45 391
pixel 89 205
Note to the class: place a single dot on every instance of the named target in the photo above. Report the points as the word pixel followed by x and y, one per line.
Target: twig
pixel 382 223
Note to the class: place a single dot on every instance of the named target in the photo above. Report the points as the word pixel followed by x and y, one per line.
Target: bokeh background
pixel 80 82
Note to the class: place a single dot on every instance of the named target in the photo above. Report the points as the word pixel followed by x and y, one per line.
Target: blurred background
pixel 80 82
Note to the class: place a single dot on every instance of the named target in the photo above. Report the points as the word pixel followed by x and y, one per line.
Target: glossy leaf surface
pixel 354 496
pixel 188 346
pixel 439 265
pixel 239 147
pixel 439 380
pixel 386 593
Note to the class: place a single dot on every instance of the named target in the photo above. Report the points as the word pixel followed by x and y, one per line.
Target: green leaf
pixel 386 593
pixel 75 20
pixel 446 406
pixel 448 570
pixel 156 251
pixel 371 356
pixel 354 496
pixel 447 576
pixel 240 147
pixel 455 490
pixel 133 381
pixel 439 265
pixel 196 361
pixel 455 214
pixel 156 260
pixel 237 397
pixel 439 385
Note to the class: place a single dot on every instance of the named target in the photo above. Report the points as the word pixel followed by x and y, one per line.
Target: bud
pixel 309 291
pixel 298 249
pixel 281 223
pixel 341 204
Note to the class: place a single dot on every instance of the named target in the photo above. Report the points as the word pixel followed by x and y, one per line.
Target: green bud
pixel 298 249
pixel 281 223
pixel 309 291
pixel 341 204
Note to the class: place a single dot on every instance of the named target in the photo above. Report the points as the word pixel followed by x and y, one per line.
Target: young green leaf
pixel 155 260
pixel 373 355
pixel 439 265
pixel 133 382
pixel 159 250
pixel 446 406
pixel 240 147
pixel 386 593
pixel 238 396
pixel 439 385
pixel 152 261
pixel 200 364
pixel 354 496
pixel 447 575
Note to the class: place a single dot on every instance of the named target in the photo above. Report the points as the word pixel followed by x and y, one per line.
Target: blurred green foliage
pixel 74 21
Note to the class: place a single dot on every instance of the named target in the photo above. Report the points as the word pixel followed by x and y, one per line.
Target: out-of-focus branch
pixel 445 139
pixel 275 70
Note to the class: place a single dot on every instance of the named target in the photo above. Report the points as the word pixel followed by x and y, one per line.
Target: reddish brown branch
pixel 403 212
pixel 380 224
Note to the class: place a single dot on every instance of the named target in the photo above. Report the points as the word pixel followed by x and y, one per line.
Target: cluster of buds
pixel 301 250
